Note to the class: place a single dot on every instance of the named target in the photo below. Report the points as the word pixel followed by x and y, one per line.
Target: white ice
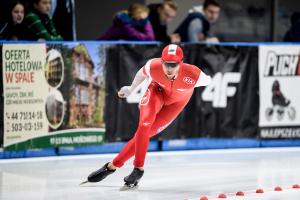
pixel 178 175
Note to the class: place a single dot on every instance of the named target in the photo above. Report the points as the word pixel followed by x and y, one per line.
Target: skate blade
pixel 84 182
pixel 129 187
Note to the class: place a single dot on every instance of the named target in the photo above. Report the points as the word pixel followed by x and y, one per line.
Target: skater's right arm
pixel 138 79
pixel 140 76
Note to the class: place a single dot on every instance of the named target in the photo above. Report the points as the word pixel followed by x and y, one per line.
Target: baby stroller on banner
pixel 281 105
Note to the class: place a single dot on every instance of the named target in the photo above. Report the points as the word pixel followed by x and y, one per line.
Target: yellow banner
pixel 25 91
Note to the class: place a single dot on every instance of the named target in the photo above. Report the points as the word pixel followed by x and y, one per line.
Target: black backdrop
pixel 199 119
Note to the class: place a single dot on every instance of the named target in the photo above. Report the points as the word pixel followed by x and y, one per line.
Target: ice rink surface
pixel 184 175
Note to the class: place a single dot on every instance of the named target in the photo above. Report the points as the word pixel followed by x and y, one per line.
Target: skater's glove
pixel 124 92
pixel 127 90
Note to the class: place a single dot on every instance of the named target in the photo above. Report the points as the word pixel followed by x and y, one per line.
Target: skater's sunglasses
pixel 171 64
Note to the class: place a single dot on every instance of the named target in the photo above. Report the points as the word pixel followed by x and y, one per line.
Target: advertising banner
pixel 53 95
pixel 66 94
pixel 279 81
pixel 228 107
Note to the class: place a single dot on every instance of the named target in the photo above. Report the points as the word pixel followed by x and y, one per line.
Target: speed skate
pixel 127 186
pixel 132 180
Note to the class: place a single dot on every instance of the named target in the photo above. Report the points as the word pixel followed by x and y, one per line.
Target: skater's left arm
pixel 203 80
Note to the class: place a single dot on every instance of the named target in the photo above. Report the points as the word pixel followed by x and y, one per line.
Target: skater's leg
pixel 125 154
pixel 129 149
pixel 151 104
pixel 163 118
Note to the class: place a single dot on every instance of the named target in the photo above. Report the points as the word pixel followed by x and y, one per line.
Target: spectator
pixel 131 24
pixel 14 29
pixel 39 24
pixel 195 27
pixel 63 16
pixel 160 16
pixel 293 34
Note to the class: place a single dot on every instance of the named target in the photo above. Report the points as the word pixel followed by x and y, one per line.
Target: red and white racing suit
pixel 160 105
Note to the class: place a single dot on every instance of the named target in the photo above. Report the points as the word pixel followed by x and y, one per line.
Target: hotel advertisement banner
pixel 53 95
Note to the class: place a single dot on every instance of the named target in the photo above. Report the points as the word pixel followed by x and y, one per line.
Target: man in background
pixel 160 16
pixel 293 34
pixel 196 26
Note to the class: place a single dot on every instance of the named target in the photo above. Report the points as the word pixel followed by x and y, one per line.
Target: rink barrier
pixel 98 149
pixel 93 149
pixel 280 143
pixel 40 152
pixel 1 153
pixel 209 143
pixel 29 153
pixel 224 143
pixel 166 145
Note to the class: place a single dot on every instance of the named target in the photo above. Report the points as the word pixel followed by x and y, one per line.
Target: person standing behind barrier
pixel 39 24
pixel 160 16
pixel 131 24
pixel 195 27
pixel 293 34
pixel 14 28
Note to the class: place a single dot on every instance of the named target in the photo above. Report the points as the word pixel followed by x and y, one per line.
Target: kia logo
pixel 188 80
